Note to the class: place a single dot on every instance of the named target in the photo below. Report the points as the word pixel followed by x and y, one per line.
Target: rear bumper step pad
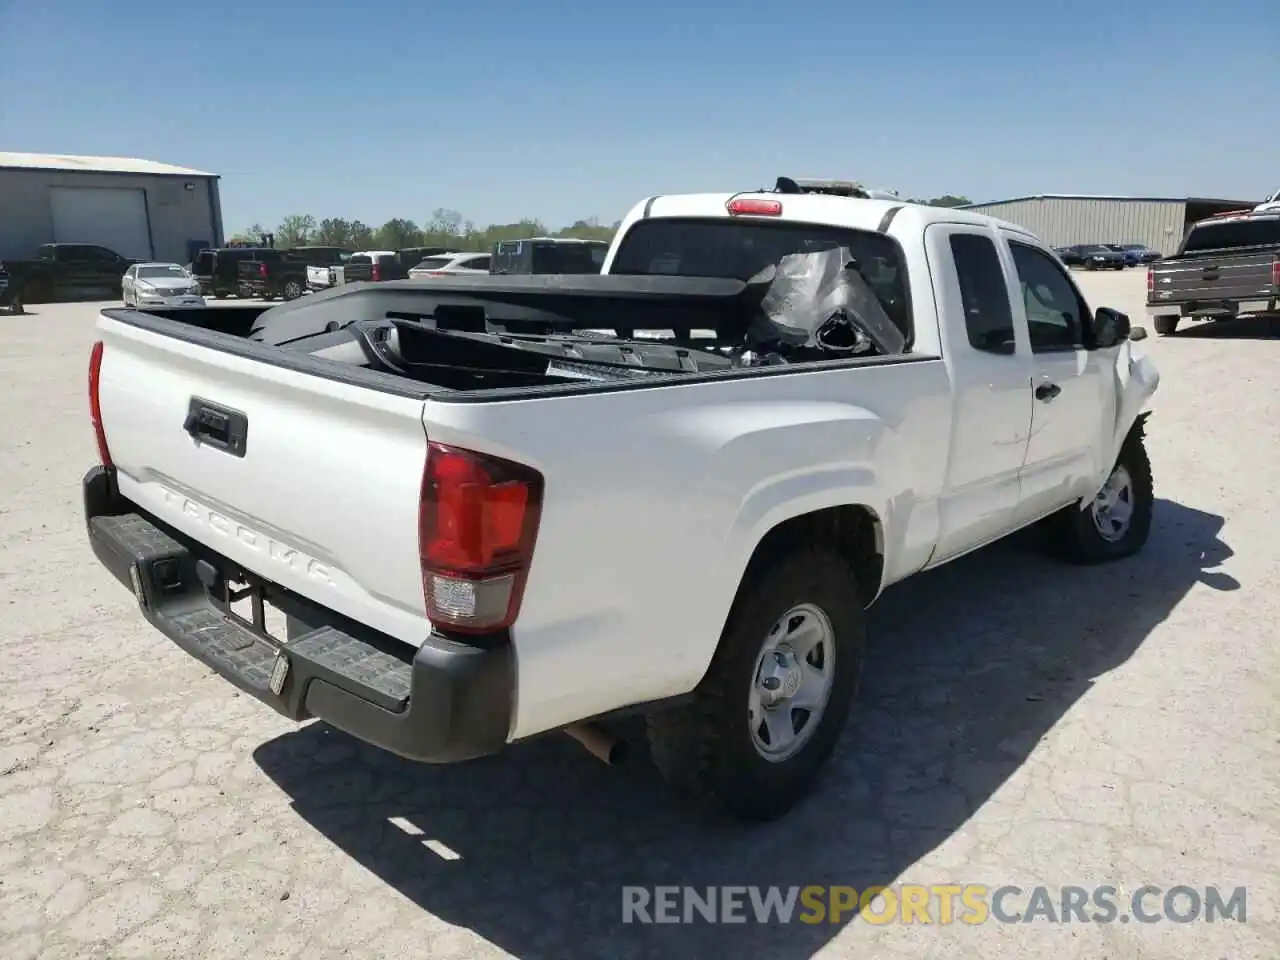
pixel 450 702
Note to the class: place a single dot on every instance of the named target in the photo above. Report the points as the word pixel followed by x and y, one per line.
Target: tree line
pixel 443 228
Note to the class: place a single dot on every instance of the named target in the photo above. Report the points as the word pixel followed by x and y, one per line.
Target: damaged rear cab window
pixel 740 249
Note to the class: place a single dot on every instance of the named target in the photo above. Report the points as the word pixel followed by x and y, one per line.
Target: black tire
pixel 1075 535
pixel 704 748
pixel 1165 325
pixel 292 290
pixel 220 294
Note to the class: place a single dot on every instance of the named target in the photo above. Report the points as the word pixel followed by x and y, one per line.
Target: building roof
pixel 53 161
pixel 1103 196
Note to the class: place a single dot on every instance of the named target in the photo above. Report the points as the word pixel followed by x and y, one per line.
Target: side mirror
pixel 1110 327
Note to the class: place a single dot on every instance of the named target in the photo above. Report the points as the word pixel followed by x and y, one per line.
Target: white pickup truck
pixel 482 532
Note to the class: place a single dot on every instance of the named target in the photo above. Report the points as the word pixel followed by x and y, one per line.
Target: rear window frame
pixel 892 245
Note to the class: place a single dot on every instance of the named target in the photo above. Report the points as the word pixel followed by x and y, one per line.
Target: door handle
pixel 1047 391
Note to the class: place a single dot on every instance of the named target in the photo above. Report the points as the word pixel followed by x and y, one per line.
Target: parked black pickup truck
pixel 1226 267
pixel 272 273
pixel 67 271
pixel 218 269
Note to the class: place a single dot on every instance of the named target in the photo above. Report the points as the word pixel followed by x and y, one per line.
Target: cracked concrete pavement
pixel 1022 723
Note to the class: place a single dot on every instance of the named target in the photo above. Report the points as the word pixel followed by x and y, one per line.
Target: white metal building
pixel 138 208
pixel 1062 219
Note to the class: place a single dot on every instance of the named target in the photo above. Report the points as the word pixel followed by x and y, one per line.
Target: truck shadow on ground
pixel 975 663
pixel 1239 328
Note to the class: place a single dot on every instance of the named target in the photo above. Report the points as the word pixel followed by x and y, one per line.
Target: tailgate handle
pixel 217 426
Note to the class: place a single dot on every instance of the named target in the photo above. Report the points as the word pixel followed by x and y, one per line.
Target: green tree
pixel 946 200
pixel 295 230
pixel 333 232
pixel 253 234
pixel 397 234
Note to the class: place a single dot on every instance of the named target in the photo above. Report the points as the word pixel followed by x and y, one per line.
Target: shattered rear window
pixel 739 249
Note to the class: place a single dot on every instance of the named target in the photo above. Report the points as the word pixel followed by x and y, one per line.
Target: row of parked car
pixel 81 271
pixel 271 273
pixel 1107 256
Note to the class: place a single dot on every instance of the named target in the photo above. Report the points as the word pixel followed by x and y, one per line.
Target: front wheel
pixel 1117 522
pixel 292 290
pixel 767 715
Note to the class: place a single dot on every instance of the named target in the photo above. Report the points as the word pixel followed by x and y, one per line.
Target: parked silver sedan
pixel 160 285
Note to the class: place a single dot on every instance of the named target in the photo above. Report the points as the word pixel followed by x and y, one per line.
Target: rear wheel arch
pixel 855 531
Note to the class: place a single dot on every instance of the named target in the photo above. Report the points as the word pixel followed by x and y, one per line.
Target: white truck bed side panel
pixel 325 501
pixel 655 499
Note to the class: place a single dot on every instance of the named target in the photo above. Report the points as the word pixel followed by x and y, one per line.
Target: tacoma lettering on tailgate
pixel 273 550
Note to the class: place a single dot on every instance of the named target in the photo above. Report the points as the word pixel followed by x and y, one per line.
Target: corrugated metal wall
pixel 177 214
pixel 1061 221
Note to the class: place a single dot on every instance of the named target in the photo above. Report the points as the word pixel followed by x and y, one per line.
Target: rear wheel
pixel 292 290
pixel 1166 325
pixel 767 715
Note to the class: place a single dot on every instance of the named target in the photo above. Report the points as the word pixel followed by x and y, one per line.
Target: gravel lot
pixel 1023 723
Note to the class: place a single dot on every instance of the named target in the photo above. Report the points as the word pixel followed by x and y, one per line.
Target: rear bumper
pixel 255 288
pixel 1213 308
pixel 444 703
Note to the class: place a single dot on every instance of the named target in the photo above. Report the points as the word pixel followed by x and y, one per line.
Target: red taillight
pixel 262 270
pixel 1275 273
pixel 375 272
pixel 750 206
pixel 95 408
pixel 1151 280
pixel 477 522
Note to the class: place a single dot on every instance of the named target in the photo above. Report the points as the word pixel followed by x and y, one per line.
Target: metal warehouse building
pixel 1062 219
pixel 138 208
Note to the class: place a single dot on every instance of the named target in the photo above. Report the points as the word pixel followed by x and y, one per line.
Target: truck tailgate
pixel 1213 277
pixel 323 497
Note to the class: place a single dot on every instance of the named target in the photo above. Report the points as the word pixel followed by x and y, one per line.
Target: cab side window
pixel 1056 315
pixel 984 295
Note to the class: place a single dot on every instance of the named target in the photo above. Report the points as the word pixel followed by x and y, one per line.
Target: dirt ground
pixel 1023 723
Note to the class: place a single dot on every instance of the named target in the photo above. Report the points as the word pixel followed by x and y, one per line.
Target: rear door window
pixel 988 318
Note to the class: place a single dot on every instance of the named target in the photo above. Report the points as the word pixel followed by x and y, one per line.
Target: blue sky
pixel 564 110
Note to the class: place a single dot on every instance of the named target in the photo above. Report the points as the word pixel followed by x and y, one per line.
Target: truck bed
pixel 322 499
